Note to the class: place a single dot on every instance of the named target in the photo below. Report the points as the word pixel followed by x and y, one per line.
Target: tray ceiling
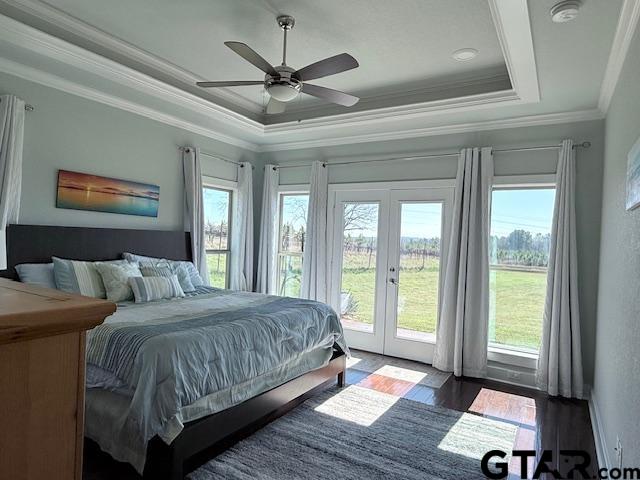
pixel 404 53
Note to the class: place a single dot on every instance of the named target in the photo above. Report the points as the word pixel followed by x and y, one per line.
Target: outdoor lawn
pixel 517 298
pixel 217 264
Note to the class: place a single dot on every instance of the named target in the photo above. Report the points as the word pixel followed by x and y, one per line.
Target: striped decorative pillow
pixel 74 276
pixel 147 289
pixel 192 272
pixel 166 269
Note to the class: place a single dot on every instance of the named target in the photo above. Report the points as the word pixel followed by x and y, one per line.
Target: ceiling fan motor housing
pixel 285 87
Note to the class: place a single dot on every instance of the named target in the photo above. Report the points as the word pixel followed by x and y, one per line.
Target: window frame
pixel 286 190
pixel 230 188
pixel 514 355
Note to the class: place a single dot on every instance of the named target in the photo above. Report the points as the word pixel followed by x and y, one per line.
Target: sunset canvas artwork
pixel 81 191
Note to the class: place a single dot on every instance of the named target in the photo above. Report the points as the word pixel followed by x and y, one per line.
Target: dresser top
pixel 27 312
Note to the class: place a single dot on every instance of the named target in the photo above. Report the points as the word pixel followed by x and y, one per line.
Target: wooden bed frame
pixel 201 439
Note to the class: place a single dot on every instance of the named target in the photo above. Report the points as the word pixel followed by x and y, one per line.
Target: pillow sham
pixel 40 274
pixel 165 268
pixel 115 278
pixel 191 272
pixel 76 276
pixel 147 289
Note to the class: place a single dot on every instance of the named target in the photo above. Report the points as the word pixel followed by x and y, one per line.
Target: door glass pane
pixel 289 274
pixel 359 253
pixel 217 263
pixel 519 255
pixel 418 273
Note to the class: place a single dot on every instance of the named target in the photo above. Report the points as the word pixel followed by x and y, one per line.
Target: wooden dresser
pixel 42 365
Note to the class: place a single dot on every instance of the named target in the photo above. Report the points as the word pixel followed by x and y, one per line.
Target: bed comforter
pixel 175 361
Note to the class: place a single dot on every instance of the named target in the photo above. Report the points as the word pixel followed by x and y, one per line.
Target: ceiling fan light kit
pixel 283 83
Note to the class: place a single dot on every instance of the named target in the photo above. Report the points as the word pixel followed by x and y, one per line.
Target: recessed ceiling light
pixel 564 12
pixel 465 54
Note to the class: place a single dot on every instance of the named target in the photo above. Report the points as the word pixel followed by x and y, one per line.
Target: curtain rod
pixel 218 157
pixel 434 155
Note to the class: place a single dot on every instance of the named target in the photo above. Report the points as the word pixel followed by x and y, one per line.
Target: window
pixel 520 240
pixel 217 231
pixel 291 237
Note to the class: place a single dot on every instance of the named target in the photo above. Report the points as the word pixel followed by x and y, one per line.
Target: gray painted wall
pixel 71 133
pixel 589 187
pixel 617 363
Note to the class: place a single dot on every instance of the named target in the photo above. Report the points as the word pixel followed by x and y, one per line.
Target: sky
pixel 530 210
pixel 527 209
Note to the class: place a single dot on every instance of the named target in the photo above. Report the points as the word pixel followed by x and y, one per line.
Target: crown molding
pixel 53 81
pixel 392 114
pixel 34 40
pixel 75 26
pixel 513 26
pixel 627 24
pixel 514 122
pixel 486 79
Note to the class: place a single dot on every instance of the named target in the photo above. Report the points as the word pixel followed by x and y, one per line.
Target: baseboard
pixel 512 375
pixel 598 432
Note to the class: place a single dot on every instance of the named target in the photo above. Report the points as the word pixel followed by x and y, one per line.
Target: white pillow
pixel 115 278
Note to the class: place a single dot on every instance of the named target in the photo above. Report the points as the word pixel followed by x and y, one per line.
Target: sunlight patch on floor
pixel 353 361
pixel 365 410
pixel 506 406
pixel 470 436
pixel 400 373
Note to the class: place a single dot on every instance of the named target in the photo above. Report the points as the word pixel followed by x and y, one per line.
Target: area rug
pixel 361 433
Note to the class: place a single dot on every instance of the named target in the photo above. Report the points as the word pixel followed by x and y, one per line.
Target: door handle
pixel 394 281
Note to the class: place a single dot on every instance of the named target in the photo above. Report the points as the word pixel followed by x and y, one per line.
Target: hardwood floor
pixel 544 423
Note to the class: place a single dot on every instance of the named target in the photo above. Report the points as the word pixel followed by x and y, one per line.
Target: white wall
pixel 589 175
pixel 616 389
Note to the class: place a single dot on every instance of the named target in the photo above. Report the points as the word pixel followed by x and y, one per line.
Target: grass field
pixel 217 264
pixel 517 299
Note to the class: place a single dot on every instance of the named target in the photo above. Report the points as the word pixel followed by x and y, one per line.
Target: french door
pixel 389 249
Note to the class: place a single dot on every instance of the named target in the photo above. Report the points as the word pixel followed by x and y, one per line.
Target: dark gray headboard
pixel 38 243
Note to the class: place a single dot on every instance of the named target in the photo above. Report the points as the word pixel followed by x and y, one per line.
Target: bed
pixel 180 379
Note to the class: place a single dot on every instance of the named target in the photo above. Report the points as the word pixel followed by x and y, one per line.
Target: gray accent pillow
pixel 165 268
pixel 40 274
pixel 147 289
pixel 115 278
pixel 177 266
pixel 76 276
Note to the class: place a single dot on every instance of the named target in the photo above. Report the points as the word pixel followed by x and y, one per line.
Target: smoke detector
pixel 566 11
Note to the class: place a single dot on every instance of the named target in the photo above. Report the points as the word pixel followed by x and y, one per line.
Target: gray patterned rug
pixel 361 433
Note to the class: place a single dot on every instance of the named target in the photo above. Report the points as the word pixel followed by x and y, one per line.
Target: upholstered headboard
pixel 38 243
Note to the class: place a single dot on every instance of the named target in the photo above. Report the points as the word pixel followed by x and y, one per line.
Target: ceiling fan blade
pixel 229 83
pixel 326 67
pixel 275 106
pixel 246 52
pixel 334 96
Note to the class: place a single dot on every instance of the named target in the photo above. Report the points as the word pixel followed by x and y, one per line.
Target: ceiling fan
pixel 283 83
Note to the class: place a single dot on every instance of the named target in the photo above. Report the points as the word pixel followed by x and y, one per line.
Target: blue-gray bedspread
pixel 179 360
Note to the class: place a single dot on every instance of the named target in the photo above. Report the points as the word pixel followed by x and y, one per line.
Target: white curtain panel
pixel 268 250
pixel 461 336
pixel 314 258
pixel 11 141
pixel 241 273
pixel 560 359
pixel 194 209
